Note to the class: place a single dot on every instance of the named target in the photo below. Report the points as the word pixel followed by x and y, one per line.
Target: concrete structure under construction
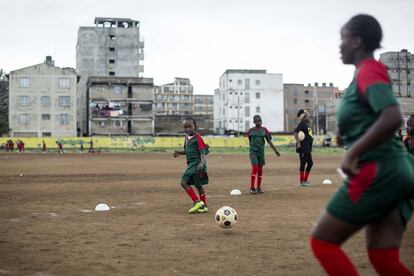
pixel 120 106
pixel 110 48
pixel 319 100
pixel 42 101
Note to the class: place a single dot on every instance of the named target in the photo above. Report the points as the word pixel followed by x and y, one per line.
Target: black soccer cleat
pixel 253 191
pixel 259 191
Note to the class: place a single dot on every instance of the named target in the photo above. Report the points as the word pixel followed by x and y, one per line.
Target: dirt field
pixel 48 225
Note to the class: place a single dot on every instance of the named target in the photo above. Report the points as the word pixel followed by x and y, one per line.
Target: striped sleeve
pixel 374 85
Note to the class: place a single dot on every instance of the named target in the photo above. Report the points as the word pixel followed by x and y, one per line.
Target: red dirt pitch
pixel 48 225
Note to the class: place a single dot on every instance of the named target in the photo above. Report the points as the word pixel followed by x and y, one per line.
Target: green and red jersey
pixel 368 94
pixel 194 146
pixel 257 137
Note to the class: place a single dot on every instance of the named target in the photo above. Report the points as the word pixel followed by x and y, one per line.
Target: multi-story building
pixel 203 105
pixel 174 98
pixel 42 101
pixel 245 93
pixel 110 48
pixel 401 71
pixel 120 106
pixel 320 100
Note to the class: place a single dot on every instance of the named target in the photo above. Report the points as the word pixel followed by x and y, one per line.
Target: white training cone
pixel 235 192
pixel 102 207
pixel 327 182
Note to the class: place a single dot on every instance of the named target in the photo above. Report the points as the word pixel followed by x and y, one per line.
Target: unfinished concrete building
pixel 110 48
pixel 320 100
pixel 401 71
pixel 120 106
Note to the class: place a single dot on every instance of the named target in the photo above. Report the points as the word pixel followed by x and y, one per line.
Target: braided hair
pixel 368 29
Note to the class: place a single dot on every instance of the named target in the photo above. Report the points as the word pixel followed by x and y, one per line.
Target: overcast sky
pixel 200 39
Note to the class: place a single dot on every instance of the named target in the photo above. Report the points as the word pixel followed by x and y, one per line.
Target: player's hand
pixel 298 145
pixel 349 165
pixel 176 154
pixel 200 166
pixel 277 152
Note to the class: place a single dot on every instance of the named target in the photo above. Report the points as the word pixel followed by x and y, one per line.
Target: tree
pixel 4 103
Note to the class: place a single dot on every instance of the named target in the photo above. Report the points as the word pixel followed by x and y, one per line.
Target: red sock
pixel 332 258
pixel 305 176
pixel 191 194
pixel 203 199
pixel 387 262
pixel 302 176
pixel 259 176
pixel 253 176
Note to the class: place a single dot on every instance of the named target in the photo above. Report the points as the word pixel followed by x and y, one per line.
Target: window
pixel 64 100
pixel 117 90
pixel 24 119
pixel 257 95
pixel 64 119
pixel 112 61
pixel 247 97
pixel 111 49
pixel 306 101
pixel 247 84
pixel 46 134
pixel 306 91
pixel 112 37
pixel 295 101
pixel 257 82
pixel 102 124
pixel 112 73
pixel 45 101
pixel 64 83
pixel 24 100
pixel 45 117
pixel 24 82
pixel 247 111
pixel 258 109
pixel 118 123
pixel 239 82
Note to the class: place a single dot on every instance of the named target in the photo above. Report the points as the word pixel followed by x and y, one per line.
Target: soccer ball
pixel 301 135
pixel 226 217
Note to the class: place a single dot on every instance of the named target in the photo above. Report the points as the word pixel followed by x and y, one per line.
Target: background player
pixel 379 191
pixel 409 139
pixel 257 136
pixel 304 147
pixel 196 172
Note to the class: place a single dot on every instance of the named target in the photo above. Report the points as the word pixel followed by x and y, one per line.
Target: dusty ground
pixel 48 226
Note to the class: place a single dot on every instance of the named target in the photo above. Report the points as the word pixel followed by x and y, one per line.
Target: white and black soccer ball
pixel 226 217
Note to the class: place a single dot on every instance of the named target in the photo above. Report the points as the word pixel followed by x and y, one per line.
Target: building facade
pixel 401 71
pixel 319 100
pixel 203 105
pixel 120 106
pixel 245 93
pixel 42 101
pixel 174 98
pixel 110 48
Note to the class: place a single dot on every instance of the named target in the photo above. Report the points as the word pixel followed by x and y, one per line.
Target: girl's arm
pixel 274 147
